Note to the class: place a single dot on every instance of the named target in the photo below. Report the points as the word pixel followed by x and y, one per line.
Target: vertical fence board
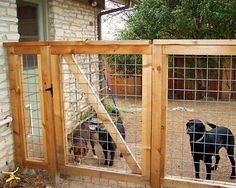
pixel 41 94
pixel 146 113
pixel 16 92
pixel 164 106
pixel 156 115
pixel 58 108
pixel 47 111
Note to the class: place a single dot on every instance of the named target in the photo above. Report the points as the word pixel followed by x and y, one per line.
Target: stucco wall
pixel 8 32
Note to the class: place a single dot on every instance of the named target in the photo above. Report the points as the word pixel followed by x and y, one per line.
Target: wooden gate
pixel 51 80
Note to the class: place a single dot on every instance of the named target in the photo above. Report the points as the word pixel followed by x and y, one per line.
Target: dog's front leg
pixel 197 168
pixel 93 149
pixel 106 156
pixel 217 162
pixel 208 163
pixel 112 158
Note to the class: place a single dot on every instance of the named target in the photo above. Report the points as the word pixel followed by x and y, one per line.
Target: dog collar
pixel 200 139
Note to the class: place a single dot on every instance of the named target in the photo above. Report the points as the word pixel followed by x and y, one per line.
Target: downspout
pixel 99 17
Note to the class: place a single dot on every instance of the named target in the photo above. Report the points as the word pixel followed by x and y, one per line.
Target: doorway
pixel 32 20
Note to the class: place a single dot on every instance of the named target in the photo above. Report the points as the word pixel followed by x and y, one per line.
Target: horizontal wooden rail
pixel 78 43
pixel 229 42
pixel 178 47
pixel 23 44
pixel 83 47
pixel 36 164
pixel 103 173
pixel 198 50
pixel 184 182
pixel 101 49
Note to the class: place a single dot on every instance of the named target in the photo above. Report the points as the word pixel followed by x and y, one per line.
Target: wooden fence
pixel 154 104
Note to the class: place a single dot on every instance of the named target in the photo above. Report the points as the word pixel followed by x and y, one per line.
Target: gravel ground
pixel 178 157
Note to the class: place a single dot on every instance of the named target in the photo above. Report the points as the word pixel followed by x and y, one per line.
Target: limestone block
pixel 57 10
pixel 11 12
pixel 8 19
pixel 6 132
pixel 3 85
pixel 14 28
pixel 59 32
pixel 2 37
pixel 12 37
pixel 4 29
pixel 4 4
pixel 3 11
pixel 3 77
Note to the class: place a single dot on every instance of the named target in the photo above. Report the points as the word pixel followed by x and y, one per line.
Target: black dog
pixel 107 143
pixel 205 144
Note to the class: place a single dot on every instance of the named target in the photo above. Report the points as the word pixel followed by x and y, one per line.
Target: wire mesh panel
pixel 201 117
pixel 33 120
pixel 116 82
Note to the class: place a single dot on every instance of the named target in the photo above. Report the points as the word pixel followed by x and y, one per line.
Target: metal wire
pixel 126 90
pixel 200 87
pixel 33 121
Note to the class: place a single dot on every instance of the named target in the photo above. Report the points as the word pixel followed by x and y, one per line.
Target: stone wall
pixel 71 20
pixel 8 32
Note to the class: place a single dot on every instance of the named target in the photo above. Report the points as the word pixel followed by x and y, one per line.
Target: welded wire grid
pixel 120 73
pixel 33 117
pixel 204 88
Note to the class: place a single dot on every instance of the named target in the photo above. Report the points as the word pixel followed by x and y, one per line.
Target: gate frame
pixel 65 49
pixel 50 73
pixel 15 52
pixel 161 50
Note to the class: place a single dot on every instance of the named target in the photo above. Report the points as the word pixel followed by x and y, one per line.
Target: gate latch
pixel 50 89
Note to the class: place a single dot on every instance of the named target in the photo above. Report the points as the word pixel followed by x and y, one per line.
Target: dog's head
pixel 195 128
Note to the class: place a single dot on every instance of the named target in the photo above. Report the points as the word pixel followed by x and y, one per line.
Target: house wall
pixel 71 20
pixel 68 20
pixel 8 32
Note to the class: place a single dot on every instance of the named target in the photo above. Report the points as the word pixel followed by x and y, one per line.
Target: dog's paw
pixel 95 156
pixel 213 168
pixel 77 163
pixel 233 177
pixel 111 163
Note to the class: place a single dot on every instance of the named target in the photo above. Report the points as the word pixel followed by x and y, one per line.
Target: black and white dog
pixel 205 144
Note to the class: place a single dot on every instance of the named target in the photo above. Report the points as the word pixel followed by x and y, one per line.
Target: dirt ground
pixel 130 111
pixel 178 157
pixel 29 179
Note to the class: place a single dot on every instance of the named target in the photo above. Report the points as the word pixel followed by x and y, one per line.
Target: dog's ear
pixel 69 137
pixel 187 125
pixel 202 127
pixel 190 122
